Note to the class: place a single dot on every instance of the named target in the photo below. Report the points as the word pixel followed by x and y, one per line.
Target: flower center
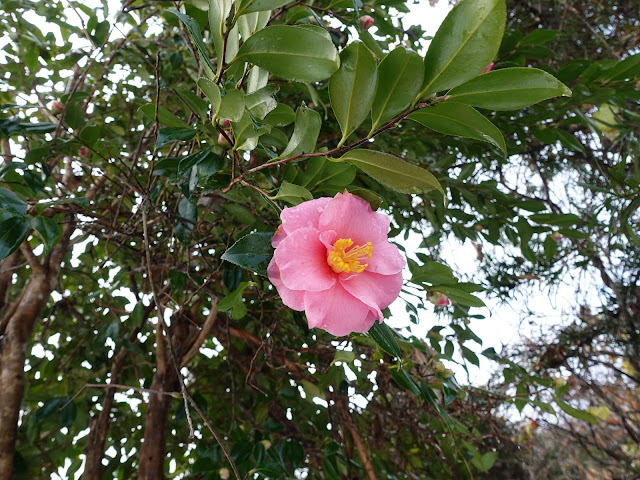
pixel 345 258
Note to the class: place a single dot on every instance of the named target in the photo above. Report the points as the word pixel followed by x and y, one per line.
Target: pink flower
pixel 83 152
pixel 488 69
pixel 333 260
pixel 439 299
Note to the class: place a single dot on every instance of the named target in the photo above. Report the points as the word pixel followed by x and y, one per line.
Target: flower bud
pixel 56 107
pixel 559 382
pixel 83 152
pixel 448 373
pixel 224 122
pixel 224 473
pixel 223 142
pixel 266 444
pixel 557 236
pixel 438 299
pixel 440 368
pixel 478 228
pixel 366 22
pixel 488 69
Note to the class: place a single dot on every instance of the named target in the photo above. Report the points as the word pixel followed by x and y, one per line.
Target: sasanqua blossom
pixel 334 261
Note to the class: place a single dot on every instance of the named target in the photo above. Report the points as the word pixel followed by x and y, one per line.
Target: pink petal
pixel 385 259
pixel 374 290
pixel 278 237
pixel 337 311
pixel 291 298
pixel 302 260
pixel 305 215
pixel 351 217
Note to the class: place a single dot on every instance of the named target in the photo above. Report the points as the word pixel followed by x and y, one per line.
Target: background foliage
pixel 131 202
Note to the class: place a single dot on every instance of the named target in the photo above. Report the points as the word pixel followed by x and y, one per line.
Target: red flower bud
pixel 557 236
pixel 223 142
pixel 366 22
pixel 56 107
pixel 83 152
pixel 488 69
pixel 224 122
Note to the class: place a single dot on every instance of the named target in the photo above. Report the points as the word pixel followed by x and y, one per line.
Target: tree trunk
pixel 19 322
pixel 99 427
pixel 155 428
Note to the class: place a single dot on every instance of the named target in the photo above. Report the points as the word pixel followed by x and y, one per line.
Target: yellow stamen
pixel 342 260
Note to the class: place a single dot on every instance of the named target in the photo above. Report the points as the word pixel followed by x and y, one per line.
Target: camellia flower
pixel 366 22
pixel 333 260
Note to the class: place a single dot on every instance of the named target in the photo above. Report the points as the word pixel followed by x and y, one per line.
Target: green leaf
pixel 90 135
pixel 188 212
pixel 49 230
pixel 194 30
pixel 400 77
pixel 231 105
pixel 10 202
pixel 281 116
pixel 371 197
pixel 352 88
pixel 393 172
pixel 260 5
pixel 540 37
pixel 212 91
pixel 434 273
pixel 305 133
pixel 385 339
pixel 74 115
pixel 509 89
pixel 459 296
pixel 218 12
pixel 464 45
pixel 557 219
pixel 246 133
pixel 252 252
pixel 628 68
pixel 574 412
pixel 12 233
pixel 405 380
pixel 172 134
pixel 233 303
pixel 291 193
pixel 303 54
pixel 460 120
pixel 165 117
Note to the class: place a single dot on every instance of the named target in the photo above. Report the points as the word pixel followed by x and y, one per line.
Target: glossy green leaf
pixel 165 117
pixel 233 303
pixel 305 133
pixel 385 339
pixel 218 12
pixel 540 37
pixel 557 219
pixel 433 273
pixel 627 68
pixel 90 135
pixel 293 194
pixel 259 5
pixel 405 380
pixel 303 54
pixel 10 202
pixel 188 213
pixel 393 172
pixel 400 77
pixel 212 91
pixel 352 88
pixel 261 102
pixel 281 116
pixel 460 120
pixel 459 296
pixel 252 252
pixel 466 42
pixel 12 233
pixel 49 231
pixel 172 134
pixel 250 23
pixel 194 30
pixel 246 133
pixel 509 89
pixel 574 412
pixel 231 105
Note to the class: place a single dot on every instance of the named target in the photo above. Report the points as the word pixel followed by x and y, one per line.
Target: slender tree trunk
pixel 99 426
pixel 18 326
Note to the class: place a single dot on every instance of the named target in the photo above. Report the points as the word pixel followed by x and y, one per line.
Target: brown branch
pixel 202 336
